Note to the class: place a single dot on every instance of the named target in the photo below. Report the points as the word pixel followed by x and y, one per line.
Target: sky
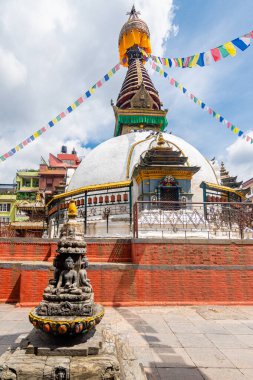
pixel 51 52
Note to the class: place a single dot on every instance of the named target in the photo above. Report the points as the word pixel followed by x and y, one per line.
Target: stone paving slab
pixel 188 343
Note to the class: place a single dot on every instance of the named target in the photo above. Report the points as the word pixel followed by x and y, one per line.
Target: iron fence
pixel 199 220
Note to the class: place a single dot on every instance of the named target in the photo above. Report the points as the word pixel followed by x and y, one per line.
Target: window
pixel 35 182
pixel 5 207
pixel 27 182
pixel 4 220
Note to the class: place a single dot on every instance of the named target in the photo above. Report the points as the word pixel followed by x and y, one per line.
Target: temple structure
pixel 141 163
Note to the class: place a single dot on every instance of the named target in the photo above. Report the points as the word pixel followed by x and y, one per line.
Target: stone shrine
pixel 68 301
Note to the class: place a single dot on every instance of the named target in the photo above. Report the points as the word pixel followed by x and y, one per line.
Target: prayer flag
pixel 230 48
pixel 194 60
pixel 69 109
pixel 200 61
pixel 223 51
pixel 51 124
pixel 88 94
pixel 208 58
pixel 242 43
pixel 216 54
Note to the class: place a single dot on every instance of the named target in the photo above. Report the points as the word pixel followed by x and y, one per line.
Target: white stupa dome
pixel 114 161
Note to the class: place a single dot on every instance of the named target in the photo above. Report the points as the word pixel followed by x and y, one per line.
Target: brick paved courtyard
pixel 181 343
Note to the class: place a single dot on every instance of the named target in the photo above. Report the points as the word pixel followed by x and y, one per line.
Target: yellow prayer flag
pixel 110 74
pixel 166 61
pixel 54 121
pixel 217 116
pixel 92 90
pixel 230 48
pixel 180 86
pixel 17 148
pixel 194 61
pixel 199 102
pixel 236 130
pixel 161 72
pixel 36 134
pixel 73 106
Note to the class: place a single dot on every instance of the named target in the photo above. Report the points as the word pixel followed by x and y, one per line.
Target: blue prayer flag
pixel 184 90
pixel 106 77
pixel 240 44
pixel 200 61
pixel 51 124
pixel 240 133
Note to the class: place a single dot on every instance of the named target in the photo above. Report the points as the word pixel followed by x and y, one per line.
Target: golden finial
pixel 72 210
pixel 160 139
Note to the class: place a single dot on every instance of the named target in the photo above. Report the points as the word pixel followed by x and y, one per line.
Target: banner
pixel 237 131
pixel 61 115
pixel 213 55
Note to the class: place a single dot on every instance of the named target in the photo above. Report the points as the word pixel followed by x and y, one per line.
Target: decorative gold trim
pixel 110 185
pixel 157 174
pixel 225 188
pixel 64 322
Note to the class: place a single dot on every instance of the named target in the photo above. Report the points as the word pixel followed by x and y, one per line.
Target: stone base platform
pixel 98 355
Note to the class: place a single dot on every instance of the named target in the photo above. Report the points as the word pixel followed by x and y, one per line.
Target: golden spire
pixel 135 33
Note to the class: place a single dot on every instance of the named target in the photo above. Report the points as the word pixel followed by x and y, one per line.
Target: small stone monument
pixel 68 301
pixel 65 343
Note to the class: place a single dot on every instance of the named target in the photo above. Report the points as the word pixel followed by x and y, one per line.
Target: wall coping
pixel 193 241
pixel 105 240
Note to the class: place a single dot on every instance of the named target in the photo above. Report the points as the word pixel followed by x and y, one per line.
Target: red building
pixel 54 176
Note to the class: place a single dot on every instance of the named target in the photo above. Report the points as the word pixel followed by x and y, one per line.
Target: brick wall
pixel 160 273
pixel 27 249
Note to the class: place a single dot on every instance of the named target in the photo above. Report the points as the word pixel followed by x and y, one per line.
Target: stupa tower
pixel 138 105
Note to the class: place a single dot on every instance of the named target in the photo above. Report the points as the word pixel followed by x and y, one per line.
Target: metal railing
pixel 192 220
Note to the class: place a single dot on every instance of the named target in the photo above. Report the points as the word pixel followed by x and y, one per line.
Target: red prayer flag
pixel 216 54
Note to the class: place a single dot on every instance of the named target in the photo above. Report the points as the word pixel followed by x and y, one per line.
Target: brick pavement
pixel 181 343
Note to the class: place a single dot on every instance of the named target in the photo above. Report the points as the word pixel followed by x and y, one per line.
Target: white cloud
pixel 160 20
pixel 12 72
pixel 65 47
pixel 239 158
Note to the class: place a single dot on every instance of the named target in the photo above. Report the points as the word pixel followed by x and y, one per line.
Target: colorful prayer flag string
pixel 63 114
pixel 213 55
pixel 200 103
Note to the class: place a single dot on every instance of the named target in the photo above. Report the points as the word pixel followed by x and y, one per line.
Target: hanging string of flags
pixel 213 55
pixel 63 114
pixel 201 104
